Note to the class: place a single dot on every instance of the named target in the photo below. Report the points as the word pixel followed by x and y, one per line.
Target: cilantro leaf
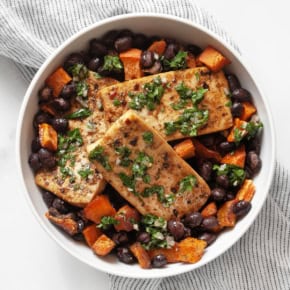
pixel 98 154
pixel 178 61
pixel 81 113
pixel 106 222
pixel 112 63
pixel 148 137
pixel 187 183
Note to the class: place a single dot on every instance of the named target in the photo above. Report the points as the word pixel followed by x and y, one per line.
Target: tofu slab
pixel 214 100
pixel 167 169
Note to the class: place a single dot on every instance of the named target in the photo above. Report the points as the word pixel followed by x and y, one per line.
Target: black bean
pixel 253 161
pixel 193 219
pixel 241 95
pixel 233 82
pixel 194 49
pixel 79 237
pixel 254 144
pixel 48 198
pixel 153 38
pixel 226 146
pixel 147 59
pixel 208 140
pixel 125 255
pixel 45 94
pixel 60 205
pixel 241 208
pixel 209 223
pixel 176 229
pixel 109 38
pixel 123 43
pixel 143 237
pixel 97 48
pixel 223 181
pixel 69 90
pixel 140 41
pixel 208 237
pixel 158 261
pixel 41 117
pixel 94 64
pixel 155 69
pixel 230 196
pixel 81 225
pixel 60 104
pixel 35 145
pixel 206 170
pixel 60 124
pixel 126 32
pixel 120 238
pixel 218 194
pixel 34 161
pixel 187 232
pixel 72 59
pixel 237 109
pixel 171 50
pixel 46 158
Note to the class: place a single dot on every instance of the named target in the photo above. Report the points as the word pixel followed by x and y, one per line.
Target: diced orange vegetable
pixel 158 47
pixel 190 61
pixel 248 112
pixel 47 136
pixel 103 245
pixel 209 210
pixel 240 125
pixel 185 149
pixel 225 214
pixel 141 255
pixel 170 254
pixel 204 152
pixel 48 109
pixel 126 217
pixel 57 80
pixel 213 59
pixel 247 191
pixel 131 60
pixel 99 207
pixel 236 157
pixel 91 234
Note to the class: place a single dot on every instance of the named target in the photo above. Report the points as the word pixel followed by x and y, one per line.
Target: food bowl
pixel 183 31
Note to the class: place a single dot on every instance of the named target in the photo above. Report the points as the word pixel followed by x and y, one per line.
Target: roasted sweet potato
pixel 225 214
pixel 209 210
pixel 131 60
pixel 158 47
pixel 185 149
pixel 141 255
pixel 48 109
pixel 213 59
pixel 247 191
pixel 91 234
pixel 98 208
pixel 170 254
pixel 248 112
pixel 240 125
pixel 190 60
pixel 203 152
pixel 236 157
pixel 126 217
pixel 57 80
pixel 103 245
pixel 47 136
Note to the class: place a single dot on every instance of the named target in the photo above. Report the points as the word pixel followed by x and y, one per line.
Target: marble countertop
pixel 29 259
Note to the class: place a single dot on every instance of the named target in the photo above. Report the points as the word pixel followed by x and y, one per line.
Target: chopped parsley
pixel 197 76
pixel 98 155
pixel 84 173
pixel 128 181
pixel 248 131
pixel 112 63
pixel 239 135
pixel 178 62
pixel 117 103
pixel 141 164
pixel 78 71
pixel 187 183
pixel 81 113
pixel 82 89
pixel 148 137
pixel 235 173
pixel 124 153
pixel 151 95
pixel 107 222
pixel 160 192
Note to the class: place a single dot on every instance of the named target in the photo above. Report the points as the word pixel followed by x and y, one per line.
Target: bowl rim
pixel 113 269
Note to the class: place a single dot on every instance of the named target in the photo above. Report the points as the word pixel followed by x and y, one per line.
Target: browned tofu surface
pixel 166 170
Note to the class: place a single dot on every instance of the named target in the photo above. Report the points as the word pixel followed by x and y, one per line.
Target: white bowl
pixel 151 24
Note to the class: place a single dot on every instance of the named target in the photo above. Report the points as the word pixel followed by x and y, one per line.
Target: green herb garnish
pixel 82 89
pixel 124 153
pixel 128 181
pixel 81 113
pixel 117 103
pixel 148 137
pixel 187 183
pixel 112 63
pixel 98 155
pixel 78 71
pixel 178 62
pixel 252 128
pixel 84 173
pixel 160 192
pixel 235 173
pixel 106 222
pixel 141 164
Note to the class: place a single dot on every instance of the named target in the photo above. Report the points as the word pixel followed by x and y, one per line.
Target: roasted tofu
pixel 146 171
pixel 162 104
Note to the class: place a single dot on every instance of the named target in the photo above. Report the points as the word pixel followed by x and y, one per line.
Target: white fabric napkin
pixel 31 30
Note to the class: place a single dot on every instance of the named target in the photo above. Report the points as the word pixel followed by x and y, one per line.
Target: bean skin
pixel 97 48
pixel 143 237
pixel 237 109
pixel 241 95
pixel 125 255
pixel 226 146
pixel 158 261
pixel 233 82
pixel 208 237
pixel 45 94
pixel 223 181
pixel 147 59
pixel 209 223
pixel 206 170
pixel 193 219
pixel 176 229
pixel 241 208
pixel 218 194
pixel 253 161
pixel 123 43
pixel 34 161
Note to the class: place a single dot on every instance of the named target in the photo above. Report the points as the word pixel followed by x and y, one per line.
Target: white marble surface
pixel 29 259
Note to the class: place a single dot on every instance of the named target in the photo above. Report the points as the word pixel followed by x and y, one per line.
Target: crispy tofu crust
pixel 215 100
pixel 168 169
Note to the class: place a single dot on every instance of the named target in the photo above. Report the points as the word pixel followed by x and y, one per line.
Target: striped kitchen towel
pixel 31 30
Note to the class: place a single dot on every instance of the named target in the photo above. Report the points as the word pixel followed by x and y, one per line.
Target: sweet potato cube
pixel 203 152
pixel 47 136
pixel 247 191
pixel 126 217
pixel 225 214
pixel 190 250
pixel 236 157
pixel 190 60
pixel 131 60
pixel 141 255
pixel 170 254
pixel 103 245
pixel 185 149
pixel 91 234
pixel 99 207
pixel 209 210
pixel 240 125
pixel 57 80
pixel 213 59
pixel 158 47
pixel 248 112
